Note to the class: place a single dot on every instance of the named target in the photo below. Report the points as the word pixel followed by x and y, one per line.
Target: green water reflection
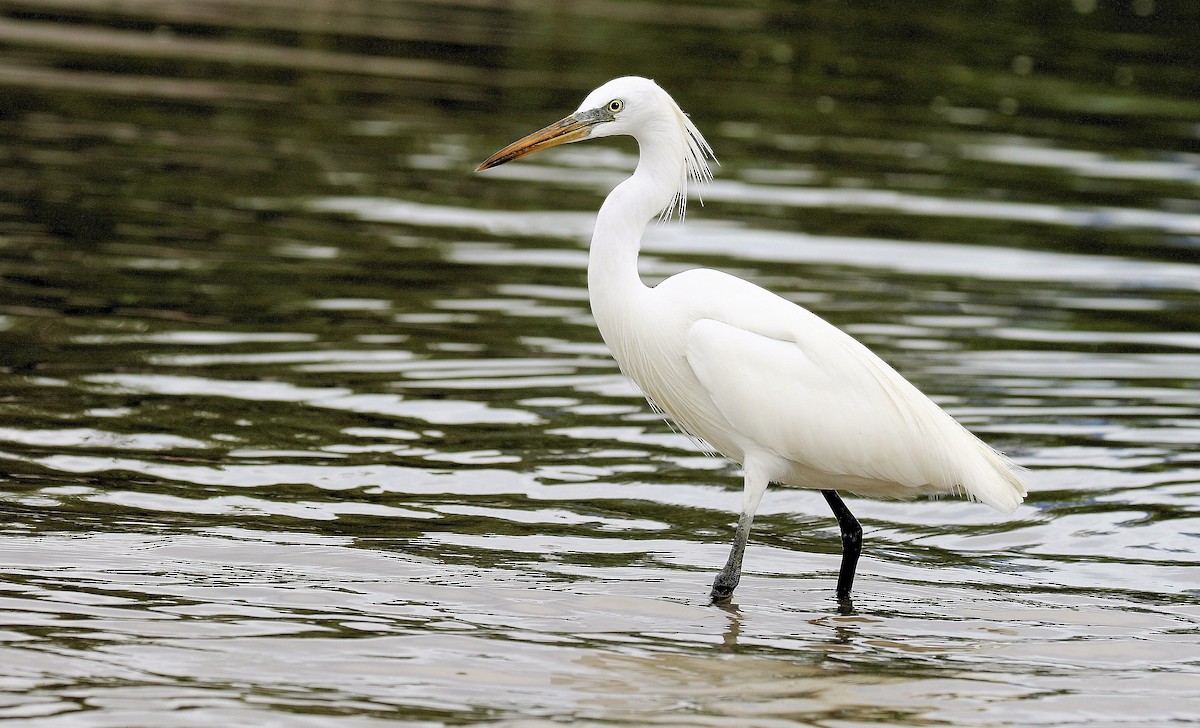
pixel 304 421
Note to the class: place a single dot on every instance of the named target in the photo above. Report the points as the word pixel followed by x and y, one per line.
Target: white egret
pixel 755 377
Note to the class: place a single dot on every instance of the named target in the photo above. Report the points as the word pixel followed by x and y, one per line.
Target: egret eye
pixel 616 105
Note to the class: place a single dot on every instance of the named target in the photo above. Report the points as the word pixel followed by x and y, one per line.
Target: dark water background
pixel 304 423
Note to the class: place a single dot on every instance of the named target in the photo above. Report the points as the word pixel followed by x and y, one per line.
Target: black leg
pixel 851 542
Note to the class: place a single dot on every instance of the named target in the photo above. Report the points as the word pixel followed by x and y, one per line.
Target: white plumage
pixel 758 378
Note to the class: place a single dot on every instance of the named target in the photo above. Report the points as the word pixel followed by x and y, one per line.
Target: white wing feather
pixel 791 384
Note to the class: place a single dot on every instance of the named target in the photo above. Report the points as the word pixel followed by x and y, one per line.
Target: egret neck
pixel 613 279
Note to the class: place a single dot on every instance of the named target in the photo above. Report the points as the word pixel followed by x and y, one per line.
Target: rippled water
pixel 306 424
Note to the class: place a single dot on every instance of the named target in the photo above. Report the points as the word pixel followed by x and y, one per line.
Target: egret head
pixel 630 105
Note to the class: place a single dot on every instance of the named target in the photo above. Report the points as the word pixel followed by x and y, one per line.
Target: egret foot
pixel 722 588
pixel 728 578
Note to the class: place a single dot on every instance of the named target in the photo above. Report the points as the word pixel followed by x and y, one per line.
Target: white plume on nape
pixel 697 152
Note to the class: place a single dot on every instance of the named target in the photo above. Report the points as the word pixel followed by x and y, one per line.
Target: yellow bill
pixel 573 128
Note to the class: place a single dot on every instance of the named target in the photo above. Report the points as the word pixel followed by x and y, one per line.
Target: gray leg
pixel 851 543
pixel 727 579
pixel 756 481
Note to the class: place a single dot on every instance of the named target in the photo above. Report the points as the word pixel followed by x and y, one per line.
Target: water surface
pixel 304 423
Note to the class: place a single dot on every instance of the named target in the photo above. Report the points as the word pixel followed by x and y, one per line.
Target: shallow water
pixel 306 424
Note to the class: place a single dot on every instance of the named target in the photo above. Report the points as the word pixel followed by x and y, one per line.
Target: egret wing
pixel 813 396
